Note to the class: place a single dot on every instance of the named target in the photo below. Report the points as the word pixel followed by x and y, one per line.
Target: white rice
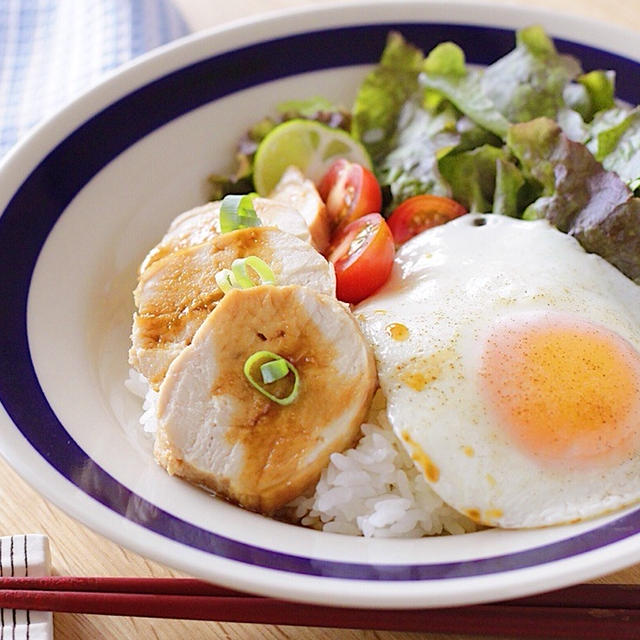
pixel 375 490
pixel 371 490
pixel 138 385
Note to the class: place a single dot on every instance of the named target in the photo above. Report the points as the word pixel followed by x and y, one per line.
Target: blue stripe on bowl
pixel 45 194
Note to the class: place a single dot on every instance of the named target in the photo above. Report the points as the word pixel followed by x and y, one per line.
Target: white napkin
pixel 25 555
pixel 51 50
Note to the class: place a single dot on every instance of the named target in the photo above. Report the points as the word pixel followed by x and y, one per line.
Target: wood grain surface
pixel 76 550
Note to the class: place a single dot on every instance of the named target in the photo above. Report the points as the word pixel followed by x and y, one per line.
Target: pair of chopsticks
pixel 585 611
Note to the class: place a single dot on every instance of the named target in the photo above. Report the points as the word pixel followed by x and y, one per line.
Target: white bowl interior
pixel 89 261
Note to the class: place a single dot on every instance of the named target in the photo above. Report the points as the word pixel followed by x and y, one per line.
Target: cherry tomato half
pixel 349 191
pixel 362 255
pixel 422 212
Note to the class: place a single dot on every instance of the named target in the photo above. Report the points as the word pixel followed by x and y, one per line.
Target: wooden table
pixel 78 551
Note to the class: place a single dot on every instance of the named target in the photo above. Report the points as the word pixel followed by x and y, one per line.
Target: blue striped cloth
pixel 51 50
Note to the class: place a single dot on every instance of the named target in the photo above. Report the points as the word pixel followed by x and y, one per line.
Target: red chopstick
pixel 586 611
pixel 102 584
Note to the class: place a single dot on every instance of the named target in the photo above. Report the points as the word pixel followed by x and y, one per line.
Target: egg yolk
pixel 564 389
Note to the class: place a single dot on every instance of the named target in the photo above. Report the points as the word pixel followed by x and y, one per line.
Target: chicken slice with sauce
pixel 301 194
pixel 216 430
pixel 202 224
pixel 176 293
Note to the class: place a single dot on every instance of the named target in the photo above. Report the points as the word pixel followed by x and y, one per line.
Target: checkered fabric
pixel 51 50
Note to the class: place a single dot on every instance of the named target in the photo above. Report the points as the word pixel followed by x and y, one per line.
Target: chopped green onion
pixel 237 212
pixel 274 370
pixel 238 277
pixel 226 280
pixel 273 365
pixel 261 268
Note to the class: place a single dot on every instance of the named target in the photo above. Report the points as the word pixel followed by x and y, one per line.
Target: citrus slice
pixel 306 144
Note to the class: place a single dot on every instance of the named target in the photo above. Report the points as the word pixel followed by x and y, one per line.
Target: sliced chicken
pixel 203 223
pixel 301 194
pixel 216 430
pixel 176 293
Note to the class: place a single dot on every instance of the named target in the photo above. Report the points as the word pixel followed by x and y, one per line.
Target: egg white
pixel 448 287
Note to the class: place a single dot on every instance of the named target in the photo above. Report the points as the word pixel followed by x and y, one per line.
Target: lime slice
pixel 307 144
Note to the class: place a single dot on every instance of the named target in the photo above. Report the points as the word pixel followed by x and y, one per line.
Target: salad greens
pixel 532 81
pixel 531 135
pixel 383 94
pixel 575 185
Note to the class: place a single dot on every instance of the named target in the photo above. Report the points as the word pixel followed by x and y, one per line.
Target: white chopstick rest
pixel 25 555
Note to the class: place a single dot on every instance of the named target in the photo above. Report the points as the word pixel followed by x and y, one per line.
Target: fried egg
pixel 510 360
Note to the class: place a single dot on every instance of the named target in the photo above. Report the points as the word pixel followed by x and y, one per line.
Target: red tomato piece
pixel 422 212
pixel 349 191
pixel 362 255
